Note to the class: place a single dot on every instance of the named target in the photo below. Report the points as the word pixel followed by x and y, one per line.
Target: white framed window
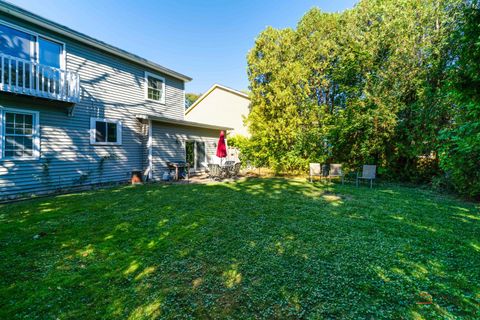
pixel 105 131
pixel 28 45
pixel 154 87
pixel 19 134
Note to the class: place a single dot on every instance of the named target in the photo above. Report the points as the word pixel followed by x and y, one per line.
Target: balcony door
pixel 50 53
pixel 20 43
pixel 30 60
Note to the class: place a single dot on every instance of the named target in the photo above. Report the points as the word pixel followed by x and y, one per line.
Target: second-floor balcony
pixel 26 77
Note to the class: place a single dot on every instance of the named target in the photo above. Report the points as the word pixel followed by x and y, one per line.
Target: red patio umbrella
pixel 221 146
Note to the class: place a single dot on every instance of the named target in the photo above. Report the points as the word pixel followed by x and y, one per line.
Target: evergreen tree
pixel 460 145
pixel 374 84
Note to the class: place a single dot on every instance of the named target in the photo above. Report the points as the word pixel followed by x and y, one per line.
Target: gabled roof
pixel 35 19
pixel 216 86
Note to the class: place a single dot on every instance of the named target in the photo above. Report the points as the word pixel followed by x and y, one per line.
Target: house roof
pixel 33 18
pixel 181 122
pixel 212 88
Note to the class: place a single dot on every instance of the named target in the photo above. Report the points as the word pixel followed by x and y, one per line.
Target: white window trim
pixel 93 126
pixel 148 74
pixel 35 134
pixel 34 50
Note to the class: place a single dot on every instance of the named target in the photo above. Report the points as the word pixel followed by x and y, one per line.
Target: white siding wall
pixel 222 108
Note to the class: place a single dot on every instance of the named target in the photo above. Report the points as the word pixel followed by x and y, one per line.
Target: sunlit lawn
pixel 268 248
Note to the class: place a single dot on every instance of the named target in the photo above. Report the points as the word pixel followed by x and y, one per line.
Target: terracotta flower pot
pixel 136 177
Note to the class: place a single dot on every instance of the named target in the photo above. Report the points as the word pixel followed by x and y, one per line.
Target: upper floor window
pixel 154 87
pixel 19 133
pixel 105 131
pixel 17 43
pixel 27 45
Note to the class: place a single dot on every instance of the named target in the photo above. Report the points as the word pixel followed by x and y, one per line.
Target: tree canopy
pixel 190 98
pixel 380 83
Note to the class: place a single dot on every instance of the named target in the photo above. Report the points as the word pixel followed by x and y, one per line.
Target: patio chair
pixel 336 171
pixel 315 170
pixel 227 168
pixel 325 170
pixel 368 173
pixel 214 171
pixel 235 170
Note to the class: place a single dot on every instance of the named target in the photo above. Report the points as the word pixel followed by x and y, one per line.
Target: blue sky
pixel 207 40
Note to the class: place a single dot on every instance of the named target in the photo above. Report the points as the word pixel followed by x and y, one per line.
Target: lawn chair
pixel 214 171
pixel 236 169
pixel 336 171
pixel 315 170
pixel 368 173
pixel 227 168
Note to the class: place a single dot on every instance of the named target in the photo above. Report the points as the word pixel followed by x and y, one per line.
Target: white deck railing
pixel 26 77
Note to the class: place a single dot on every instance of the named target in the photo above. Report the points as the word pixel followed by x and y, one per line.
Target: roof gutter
pixel 80 37
pixel 180 122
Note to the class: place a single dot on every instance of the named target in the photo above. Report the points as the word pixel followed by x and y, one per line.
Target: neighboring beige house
pixel 221 106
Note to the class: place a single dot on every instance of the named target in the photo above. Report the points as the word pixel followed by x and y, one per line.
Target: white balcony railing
pixel 26 77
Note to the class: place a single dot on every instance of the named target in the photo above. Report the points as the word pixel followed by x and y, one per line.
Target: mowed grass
pixel 260 248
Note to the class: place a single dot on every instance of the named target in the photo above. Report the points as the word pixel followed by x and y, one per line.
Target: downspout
pixel 150 150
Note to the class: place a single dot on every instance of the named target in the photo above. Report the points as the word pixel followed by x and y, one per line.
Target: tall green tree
pixel 402 46
pixel 363 86
pixel 278 99
pixel 190 98
pixel 460 144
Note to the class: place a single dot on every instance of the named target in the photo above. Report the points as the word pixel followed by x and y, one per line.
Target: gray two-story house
pixel 76 111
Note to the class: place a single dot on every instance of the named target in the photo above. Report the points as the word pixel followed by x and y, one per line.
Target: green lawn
pixel 271 248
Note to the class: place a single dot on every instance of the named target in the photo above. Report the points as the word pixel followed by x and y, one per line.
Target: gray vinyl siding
pixel 111 87
pixel 167 149
pixel 67 158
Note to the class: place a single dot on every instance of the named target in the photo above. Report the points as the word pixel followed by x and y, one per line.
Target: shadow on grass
pixel 268 248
